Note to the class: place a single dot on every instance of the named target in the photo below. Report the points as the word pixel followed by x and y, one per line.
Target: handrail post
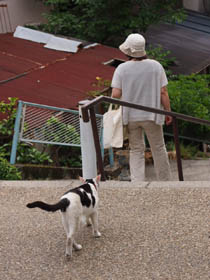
pixel 177 146
pixel 97 143
pixel 88 151
pixel 16 133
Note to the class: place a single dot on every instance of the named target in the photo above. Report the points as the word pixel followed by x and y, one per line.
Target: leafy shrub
pixel 163 56
pixel 9 112
pixel 188 151
pixel 8 171
pixel 25 154
pixel 70 157
pixel 29 154
pixel 190 95
pixel 57 131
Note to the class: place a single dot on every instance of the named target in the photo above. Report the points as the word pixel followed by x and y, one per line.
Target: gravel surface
pixel 159 233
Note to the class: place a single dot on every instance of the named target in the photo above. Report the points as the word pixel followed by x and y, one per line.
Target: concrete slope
pixel 152 230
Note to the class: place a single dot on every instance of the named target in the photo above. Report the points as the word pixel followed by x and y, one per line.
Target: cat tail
pixel 61 205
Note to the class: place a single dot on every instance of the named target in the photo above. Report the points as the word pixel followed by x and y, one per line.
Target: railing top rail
pixel 49 107
pixel 107 99
pixel 76 112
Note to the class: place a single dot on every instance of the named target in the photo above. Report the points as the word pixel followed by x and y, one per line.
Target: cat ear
pixel 82 179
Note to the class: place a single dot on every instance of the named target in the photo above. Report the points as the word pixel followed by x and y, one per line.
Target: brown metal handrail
pixel 91 114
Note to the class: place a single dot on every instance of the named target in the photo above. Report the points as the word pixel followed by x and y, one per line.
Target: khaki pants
pixel 155 137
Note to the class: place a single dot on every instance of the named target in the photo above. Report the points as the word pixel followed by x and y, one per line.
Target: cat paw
pixel 97 234
pixel 68 255
pixel 77 247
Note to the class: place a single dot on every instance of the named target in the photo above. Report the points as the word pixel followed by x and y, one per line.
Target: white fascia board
pixel 91 45
pixel 32 35
pixel 50 41
pixel 62 44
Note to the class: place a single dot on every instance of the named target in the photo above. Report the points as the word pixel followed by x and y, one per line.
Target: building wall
pixel 195 5
pixel 24 11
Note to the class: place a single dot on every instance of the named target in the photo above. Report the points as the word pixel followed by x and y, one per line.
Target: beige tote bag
pixel 113 128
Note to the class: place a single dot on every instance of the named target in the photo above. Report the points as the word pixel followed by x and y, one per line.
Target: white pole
pixel 89 166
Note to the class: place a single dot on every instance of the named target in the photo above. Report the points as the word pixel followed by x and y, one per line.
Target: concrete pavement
pixel 193 170
pixel 152 230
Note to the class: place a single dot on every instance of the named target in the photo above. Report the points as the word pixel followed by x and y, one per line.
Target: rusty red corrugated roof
pixel 51 77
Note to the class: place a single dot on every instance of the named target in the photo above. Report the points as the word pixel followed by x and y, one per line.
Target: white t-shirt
pixel 141 83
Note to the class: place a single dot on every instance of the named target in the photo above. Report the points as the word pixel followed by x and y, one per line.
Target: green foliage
pixel 25 154
pixel 163 56
pixel 170 146
pixel 54 130
pixel 191 152
pixel 9 112
pixel 29 154
pixel 108 21
pixel 57 131
pixel 190 95
pixel 8 171
pixel 188 151
pixel 70 157
pixel 58 3
pixel 62 23
pixel 99 86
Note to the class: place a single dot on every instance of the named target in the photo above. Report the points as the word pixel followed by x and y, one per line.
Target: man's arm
pixel 165 101
pixel 116 93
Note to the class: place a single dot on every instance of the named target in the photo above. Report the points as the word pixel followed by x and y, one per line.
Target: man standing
pixel 143 81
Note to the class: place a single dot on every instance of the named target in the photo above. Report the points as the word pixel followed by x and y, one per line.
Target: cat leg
pixel 94 219
pixel 65 222
pixel 88 222
pixel 67 230
pixel 69 245
pixel 70 238
pixel 77 246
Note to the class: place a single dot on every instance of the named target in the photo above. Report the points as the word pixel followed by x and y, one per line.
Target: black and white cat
pixel 77 206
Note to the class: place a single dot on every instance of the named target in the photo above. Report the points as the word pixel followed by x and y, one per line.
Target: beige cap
pixel 134 45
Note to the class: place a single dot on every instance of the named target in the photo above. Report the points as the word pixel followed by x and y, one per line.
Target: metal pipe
pixel 16 133
pixel 178 152
pixel 97 143
pixel 139 107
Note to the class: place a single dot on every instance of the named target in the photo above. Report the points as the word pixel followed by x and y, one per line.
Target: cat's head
pixel 94 181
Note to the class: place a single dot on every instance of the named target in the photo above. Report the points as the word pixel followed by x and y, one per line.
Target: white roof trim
pixel 62 44
pixel 91 45
pixel 50 41
pixel 31 35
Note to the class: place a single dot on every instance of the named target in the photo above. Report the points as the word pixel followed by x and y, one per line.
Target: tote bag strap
pixel 110 107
